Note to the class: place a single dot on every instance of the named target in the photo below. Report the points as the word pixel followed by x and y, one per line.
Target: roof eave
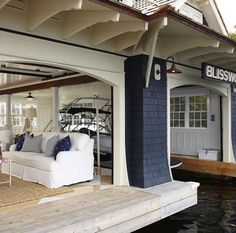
pixel 121 9
pixel 170 12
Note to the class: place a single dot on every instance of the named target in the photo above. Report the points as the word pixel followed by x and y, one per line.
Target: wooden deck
pixel 117 209
pixel 206 166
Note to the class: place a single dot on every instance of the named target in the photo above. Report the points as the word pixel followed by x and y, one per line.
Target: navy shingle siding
pixel 146 124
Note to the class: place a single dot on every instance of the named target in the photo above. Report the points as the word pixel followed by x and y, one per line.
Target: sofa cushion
pixel 34 160
pixel 32 144
pixel 79 141
pixel 20 143
pixel 46 136
pixel 51 143
pixel 62 145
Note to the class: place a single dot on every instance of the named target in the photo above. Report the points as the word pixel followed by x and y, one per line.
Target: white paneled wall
pixel 188 141
pixel 44 112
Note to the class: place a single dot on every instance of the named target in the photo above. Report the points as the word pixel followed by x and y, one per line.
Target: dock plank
pixel 91 212
pixel 206 166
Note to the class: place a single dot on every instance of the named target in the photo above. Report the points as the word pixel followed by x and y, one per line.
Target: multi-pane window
pixel 188 112
pixel 177 111
pixel 198 111
pixel 16 114
pixel 77 119
pixel 2 114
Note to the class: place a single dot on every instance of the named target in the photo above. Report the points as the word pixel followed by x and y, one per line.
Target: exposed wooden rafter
pixel 168 47
pixel 41 10
pixel 104 32
pixel 209 57
pixel 76 21
pixel 3 3
pixel 224 60
pixel 127 40
pixel 229 64
pixel 189 54
pixel 49 84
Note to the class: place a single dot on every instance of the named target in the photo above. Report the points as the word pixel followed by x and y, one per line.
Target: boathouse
pixel 167 67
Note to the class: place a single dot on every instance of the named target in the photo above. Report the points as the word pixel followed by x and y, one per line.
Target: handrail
pixel 44 130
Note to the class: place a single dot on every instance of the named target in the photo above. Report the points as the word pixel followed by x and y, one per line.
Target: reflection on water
pixel 214 213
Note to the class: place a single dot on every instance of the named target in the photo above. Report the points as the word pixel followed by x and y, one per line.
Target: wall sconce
pixel 29 97
pixel 173 69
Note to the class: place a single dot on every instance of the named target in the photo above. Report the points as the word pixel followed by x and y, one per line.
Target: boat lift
pixel 98 117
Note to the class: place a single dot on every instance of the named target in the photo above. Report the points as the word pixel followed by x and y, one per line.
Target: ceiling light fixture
pixel 29 97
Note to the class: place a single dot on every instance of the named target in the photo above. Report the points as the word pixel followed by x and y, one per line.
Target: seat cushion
pixel 46 136
pixel 31 159
pixel 51 143
pixel 32 144
pixel 62 145
pixel 79 141
pixel 20 143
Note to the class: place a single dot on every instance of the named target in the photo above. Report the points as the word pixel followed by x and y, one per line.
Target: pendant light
pixel 29 97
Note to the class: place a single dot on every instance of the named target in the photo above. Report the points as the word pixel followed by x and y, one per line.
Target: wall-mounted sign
pixel 217 73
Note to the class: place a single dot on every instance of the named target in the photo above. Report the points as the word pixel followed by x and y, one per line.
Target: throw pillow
pixel 20 142
pixel 62 145
pixel 32 144
pixel 51 143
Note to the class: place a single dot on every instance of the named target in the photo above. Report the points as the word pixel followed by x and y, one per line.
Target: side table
pixel 8 161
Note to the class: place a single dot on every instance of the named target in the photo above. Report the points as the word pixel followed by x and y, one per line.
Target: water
pixel 214 213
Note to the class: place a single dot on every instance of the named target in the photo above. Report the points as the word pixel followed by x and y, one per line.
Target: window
pixel 2 114
pixel 16 114
pixel 188 112
pixel 198 111
pixel 177 112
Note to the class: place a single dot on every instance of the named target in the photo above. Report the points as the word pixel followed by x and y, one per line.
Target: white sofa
pixel 69 167
pixel 6 138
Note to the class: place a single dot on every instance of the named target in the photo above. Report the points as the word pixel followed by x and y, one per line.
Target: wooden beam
pixel 104 32
pixel 210 57
pixel 150 45
pixel 206 166
pixel 41 10
pixel 224 60
pixel 3 3
pixel 127 40
pixel 154 29
pixel 76 21
pixel 192 53
pixel 166 47
pixel 48 84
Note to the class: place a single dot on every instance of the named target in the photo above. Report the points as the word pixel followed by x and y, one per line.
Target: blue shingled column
pixel 146 124
pixel 233 127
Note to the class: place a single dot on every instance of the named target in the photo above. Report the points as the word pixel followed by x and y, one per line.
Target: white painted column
pixel 55 109
pixel 8 113
pixel 168 126
pixel 120 167
pixel 228 155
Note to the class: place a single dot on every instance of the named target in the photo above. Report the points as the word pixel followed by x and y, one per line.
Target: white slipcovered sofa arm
pixel 13 147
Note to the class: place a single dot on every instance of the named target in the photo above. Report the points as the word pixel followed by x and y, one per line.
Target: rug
pixel 23 191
